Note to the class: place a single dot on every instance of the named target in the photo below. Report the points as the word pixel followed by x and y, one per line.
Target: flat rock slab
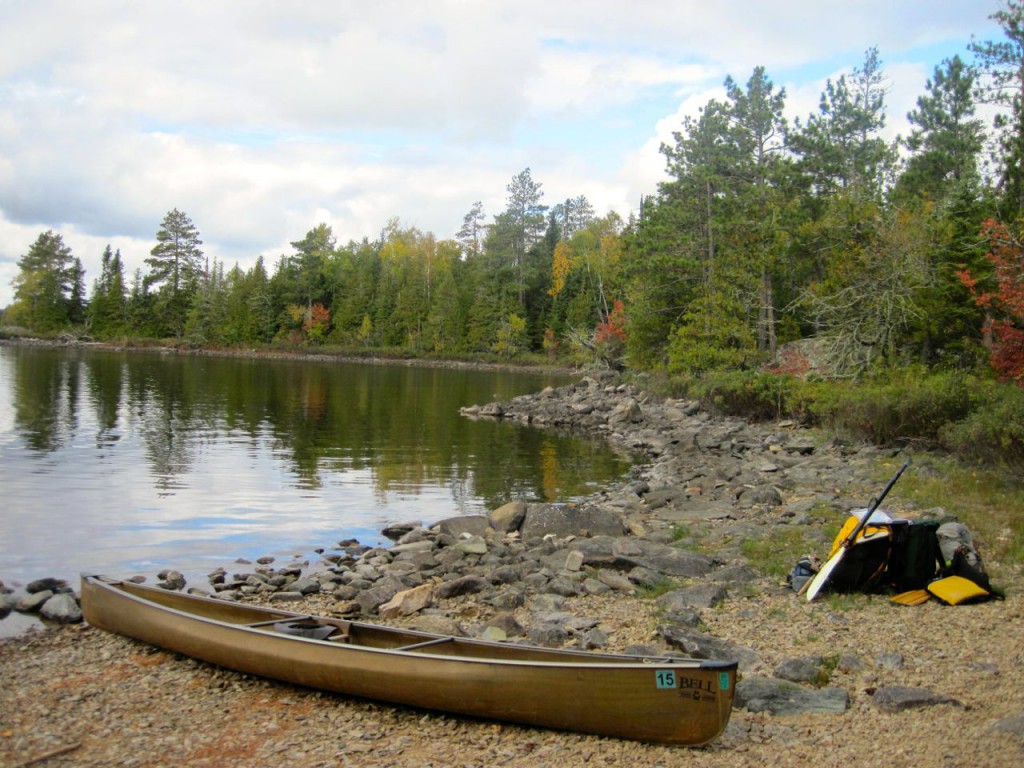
pixel 781 697
pixel 898 698
pixel 703 646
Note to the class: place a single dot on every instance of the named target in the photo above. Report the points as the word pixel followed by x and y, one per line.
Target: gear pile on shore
pixel 612 571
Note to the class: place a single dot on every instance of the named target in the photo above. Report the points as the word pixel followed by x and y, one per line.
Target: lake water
pixel 131 462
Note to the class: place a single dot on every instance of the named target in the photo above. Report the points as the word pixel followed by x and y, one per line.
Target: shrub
pixel 909 406
pixel 993 433
pixel 750 394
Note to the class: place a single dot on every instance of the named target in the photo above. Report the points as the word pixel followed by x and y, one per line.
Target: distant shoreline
pixel 256 353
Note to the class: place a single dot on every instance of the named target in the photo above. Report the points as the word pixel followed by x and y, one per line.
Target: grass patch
pixel 776 553
pixel 844 602
pixel 652 591
pixel 680 532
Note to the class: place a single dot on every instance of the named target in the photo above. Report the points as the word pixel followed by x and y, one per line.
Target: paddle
pixel 815 585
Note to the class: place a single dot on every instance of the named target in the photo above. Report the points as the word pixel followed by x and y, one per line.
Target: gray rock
pixel 471 545
pixel 699 596
pixel 547 603
pixel 592 639
pixel 508 599
pixel 765 496
pixel 506 574
pixel 595 587
pixel 850 662
pixel 474 525
pixel 703 646
pixel 305 586
pixel 396 531
pixel 465 585
pixel 781 697
pixel 899 698
pixel 615 580
pixel 563 586
pixel 32 603
pixel 550 635
pixel 48 584
pixel 564 520
pixel 1013 725
pixel 6 605
pixel 891 661
pixel 808 669
pixel 645 577
pixel 171 580
pixel 62 608
pixel 382 591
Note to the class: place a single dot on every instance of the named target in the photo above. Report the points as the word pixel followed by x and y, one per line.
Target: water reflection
pixel 132 460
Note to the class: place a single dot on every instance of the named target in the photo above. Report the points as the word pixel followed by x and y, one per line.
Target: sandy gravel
pixel 113 701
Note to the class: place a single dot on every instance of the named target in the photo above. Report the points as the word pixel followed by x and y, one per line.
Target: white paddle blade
pixel 815 585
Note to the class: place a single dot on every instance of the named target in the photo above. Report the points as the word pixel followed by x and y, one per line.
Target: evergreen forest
pixel 811 249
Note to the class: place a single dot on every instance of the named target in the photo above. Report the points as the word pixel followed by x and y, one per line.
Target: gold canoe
pixel 658 699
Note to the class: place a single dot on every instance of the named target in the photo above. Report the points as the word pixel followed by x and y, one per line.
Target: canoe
pixel 656 699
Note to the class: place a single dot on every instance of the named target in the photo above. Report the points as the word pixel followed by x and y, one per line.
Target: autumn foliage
pixel 1005 302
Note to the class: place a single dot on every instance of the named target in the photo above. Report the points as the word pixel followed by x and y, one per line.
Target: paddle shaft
pixel 874 505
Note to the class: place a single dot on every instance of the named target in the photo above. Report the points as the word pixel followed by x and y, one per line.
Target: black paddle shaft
pixel 874 505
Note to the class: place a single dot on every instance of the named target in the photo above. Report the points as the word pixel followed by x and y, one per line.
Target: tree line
pixel 772 242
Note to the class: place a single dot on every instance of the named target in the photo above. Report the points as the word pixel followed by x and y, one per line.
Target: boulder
pixel 43 585
pixel 32 603
pixel 62 608
pixel 508 518
pixel 407 602
pixel 563 520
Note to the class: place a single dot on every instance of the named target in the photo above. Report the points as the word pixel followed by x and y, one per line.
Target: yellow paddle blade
pixel 913 597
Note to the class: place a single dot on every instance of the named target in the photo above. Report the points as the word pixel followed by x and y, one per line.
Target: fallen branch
pixel 47 755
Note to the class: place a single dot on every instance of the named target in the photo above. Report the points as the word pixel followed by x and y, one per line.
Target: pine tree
pixel 1001 82
pixel 107 313
pixel 48 294
pixel 947 137
pixel 175 267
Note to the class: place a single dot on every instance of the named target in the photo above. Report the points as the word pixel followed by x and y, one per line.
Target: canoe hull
pixel 671 701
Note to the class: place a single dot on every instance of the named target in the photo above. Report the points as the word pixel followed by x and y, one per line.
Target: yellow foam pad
pixel 954 590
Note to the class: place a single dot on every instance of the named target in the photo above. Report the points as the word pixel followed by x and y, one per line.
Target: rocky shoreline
pixel 658 564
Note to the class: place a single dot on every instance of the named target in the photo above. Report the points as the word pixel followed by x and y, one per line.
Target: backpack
pixel 959 555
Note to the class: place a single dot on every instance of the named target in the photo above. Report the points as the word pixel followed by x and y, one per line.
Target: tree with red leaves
pixel 1005 302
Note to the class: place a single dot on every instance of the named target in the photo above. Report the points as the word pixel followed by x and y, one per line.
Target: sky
pixel 262 119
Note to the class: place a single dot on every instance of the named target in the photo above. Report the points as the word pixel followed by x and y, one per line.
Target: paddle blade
pixel 815 585
pixel 913 597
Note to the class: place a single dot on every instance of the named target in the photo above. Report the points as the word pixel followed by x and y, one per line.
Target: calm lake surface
pixel 126 463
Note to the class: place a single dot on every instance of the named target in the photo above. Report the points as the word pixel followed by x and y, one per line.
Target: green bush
pixel 750 394
pixel 908 406
pixel 993 433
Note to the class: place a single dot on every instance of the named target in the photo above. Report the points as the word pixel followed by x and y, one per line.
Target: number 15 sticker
pixel 665 678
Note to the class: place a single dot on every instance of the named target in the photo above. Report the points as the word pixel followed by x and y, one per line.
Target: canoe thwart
pixel 425 644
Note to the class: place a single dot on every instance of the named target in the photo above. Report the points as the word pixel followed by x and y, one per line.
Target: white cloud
pixel 261 119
